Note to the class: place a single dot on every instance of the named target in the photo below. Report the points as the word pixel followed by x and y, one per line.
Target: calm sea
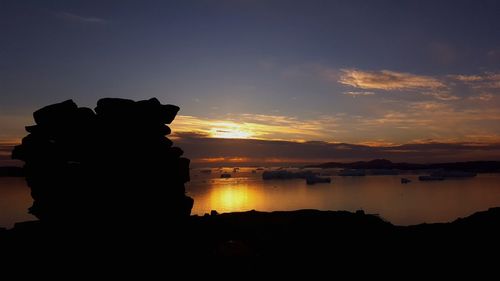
pixel 401 204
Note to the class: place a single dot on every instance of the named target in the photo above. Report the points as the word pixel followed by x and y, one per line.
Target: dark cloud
pixel 260 152
pixel 215 151
pixel 188 135
pixel 5 152
pixel 81 19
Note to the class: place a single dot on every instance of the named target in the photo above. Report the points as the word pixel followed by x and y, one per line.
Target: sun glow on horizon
pixel 230 133
pixel 230 130
pixel 254 126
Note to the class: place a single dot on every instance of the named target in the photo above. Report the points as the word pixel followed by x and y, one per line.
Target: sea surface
pixel 402 204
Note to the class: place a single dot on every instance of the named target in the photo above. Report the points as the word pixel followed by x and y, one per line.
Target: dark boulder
pixel 115 108
pixel 55 113
pixel 168 113
pixel 114 164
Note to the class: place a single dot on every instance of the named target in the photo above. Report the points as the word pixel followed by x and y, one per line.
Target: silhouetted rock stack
pixel 110 167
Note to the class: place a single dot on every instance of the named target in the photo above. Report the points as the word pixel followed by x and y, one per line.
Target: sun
pixel 229 130
pixel 230 134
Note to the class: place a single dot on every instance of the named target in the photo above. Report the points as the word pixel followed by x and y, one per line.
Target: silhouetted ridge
pixel 471 166
pixel 112 165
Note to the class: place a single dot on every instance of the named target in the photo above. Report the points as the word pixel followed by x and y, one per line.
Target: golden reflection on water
pixel 412 203
pixel 230 195
pixel 232 198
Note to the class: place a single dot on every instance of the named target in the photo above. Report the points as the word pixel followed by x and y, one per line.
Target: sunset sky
pixel 294 81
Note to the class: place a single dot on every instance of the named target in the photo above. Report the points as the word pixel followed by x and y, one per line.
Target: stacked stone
pixel 114 165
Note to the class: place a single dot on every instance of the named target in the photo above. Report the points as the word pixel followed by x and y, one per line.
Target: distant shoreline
pixel 468 166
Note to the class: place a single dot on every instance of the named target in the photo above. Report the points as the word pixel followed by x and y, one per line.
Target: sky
pixel 418 77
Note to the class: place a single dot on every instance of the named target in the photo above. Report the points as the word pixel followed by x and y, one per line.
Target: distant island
pixel 469 166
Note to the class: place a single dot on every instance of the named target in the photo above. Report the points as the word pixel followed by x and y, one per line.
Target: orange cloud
pixel 377 143
pixel 395 123
pixel 223 160
pixel 487 80
pixel 358 94
pixel 257 126
pixel 468 78
pixel 388 80
pixel 433 120
pixel 429 105
pixel 442 95
pixel 482 97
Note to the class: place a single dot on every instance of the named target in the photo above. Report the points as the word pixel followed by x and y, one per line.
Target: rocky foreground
pixel 258 241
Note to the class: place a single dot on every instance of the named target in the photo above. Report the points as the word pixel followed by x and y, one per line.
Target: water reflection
pixel 15 200
pixel 233 197
pixel 227 195
pixel 401 204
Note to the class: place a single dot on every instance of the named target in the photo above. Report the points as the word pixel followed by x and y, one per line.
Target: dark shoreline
pixel 297 234
pixel 309 244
